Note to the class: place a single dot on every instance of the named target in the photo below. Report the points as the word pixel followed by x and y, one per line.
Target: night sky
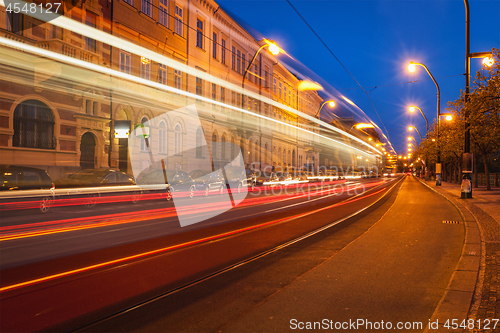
pixel 375 40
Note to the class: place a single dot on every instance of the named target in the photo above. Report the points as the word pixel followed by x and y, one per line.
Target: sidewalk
pixel 484 208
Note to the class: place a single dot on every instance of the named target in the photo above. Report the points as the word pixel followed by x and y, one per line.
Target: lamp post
pixel 412 68
pixel 466 188
pixel 330 104
pixel 410 128
pixel 412 109
pixel 412 138
pixel 273 48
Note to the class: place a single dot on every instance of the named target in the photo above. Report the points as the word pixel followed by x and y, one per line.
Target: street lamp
pixel 412 109
pixel 412 138
pixel 411 128
pixel 466 187
pixel 411 68
pixel 273 48
pixel 330 104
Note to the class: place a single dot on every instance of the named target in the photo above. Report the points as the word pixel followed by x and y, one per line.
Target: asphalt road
pixel 390 263
pixel 60 288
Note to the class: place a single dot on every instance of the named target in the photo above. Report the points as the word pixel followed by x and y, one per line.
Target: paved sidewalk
pixel 485 210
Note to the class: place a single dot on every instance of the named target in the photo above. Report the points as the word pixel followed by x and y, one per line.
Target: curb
pixel 455 304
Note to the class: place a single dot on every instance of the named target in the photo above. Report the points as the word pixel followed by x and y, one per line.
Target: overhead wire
pixel 321 40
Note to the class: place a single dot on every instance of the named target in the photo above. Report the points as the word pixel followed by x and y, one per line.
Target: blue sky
pixel 375 40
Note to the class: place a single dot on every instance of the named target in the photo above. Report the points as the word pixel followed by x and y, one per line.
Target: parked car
pixel 177 181
pixel 15 177
pixel 33 185
pixel 237 177
pixel 83 184
pixel 208 181
pixel 96 178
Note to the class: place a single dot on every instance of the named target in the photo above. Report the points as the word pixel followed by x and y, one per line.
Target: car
pixel 16 177
pixel 208 181
pixel 176 181
pixel 33 184
pixel 96 178
pixel 239 177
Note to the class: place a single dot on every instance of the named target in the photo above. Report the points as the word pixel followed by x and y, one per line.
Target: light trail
pixel 14 232
pixel 77 27
pixel 178 246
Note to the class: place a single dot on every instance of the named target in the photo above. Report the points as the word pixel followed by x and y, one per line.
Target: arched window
pixel 162 138
pixel 33 126
pixel 279 155
pixel 256 151
pixel 234 148
pixel 250 148
pixel 143 142
pixel 214 145
pixel 223 147
pixel 265 153
pixel 178 139
pixel 199 142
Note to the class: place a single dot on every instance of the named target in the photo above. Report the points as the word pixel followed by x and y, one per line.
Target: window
pixel 279 90
pixel 266 73
pixel 234 149
pixel 199 86
pixel 214 91
pixel 162 74
pixel 33 126
pixel 146 7
pixel 238 61
pixel 55 32
pixel 284 97
pixel 199 142
pixel 223 147
pixel 243 63
pixel 255 70
pixel 90 20
pixel 178 139
pixel 91 107
pixel 274 86
pixel 125 62
pixel 214 45
pixel 199 33
pixel 223 51
pixel 129 2
pixel 233 59
pixel 177 79
pixel 179 21
pixel 13 21
pixel 163 12
pixel 145 68
pixel 143 141
pixel 289 96
pixel 162 138
pixel 214 146
pixel 222 94
pixel 233 98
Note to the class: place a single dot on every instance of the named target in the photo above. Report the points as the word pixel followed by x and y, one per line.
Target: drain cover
pixel 452 222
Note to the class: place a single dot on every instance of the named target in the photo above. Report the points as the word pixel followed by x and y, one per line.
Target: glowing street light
pixel 330 104
pixel 411 128
pixel 412 109
pixel 273 48
pixel 412 68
